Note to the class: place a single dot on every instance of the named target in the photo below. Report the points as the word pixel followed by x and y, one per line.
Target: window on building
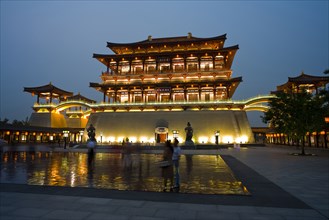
pixel 138 98
pixel 151 98
pixel 165 98
pixel 193 97
pixel 179 97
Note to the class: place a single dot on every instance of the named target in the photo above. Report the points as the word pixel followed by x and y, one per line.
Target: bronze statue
pixel 91 132
pixel 189 132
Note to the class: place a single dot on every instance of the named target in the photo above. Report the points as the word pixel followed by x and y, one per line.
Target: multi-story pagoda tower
pixel 152 88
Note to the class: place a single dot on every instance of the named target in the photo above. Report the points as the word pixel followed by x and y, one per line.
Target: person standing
pixel 175 158
pixel 167 169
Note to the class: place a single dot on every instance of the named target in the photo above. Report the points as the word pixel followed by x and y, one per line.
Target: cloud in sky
pixel 53 41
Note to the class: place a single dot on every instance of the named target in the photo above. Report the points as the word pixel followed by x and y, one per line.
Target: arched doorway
pixel 161 131
pixel 161 134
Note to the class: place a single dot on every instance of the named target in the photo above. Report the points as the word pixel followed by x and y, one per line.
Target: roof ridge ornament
pixel 189 35
pixel 149 38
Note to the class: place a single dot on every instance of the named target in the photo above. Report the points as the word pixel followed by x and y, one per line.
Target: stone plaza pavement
pixel 282 187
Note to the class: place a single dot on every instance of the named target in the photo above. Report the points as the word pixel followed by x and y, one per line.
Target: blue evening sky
pixel 53 41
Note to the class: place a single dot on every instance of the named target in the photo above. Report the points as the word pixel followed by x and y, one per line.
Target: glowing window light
pixel 151 140
pixel 120 139
pixel 111 139
pixel 203 139
pixel 132 139
pixel 227 139
pixel 242 139
pixel 143 139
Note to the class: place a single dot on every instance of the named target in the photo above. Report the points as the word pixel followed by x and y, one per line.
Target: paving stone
pixel 4 217
pixel 65 214
pixel 176 214
pixel 99 201
pixel 99 208
pixel 244 216
pixel 6 209
pixel 99 216
pixel 132 203
pixel 147 218
pixel 209 215
pixel 197 207
pixel 136 211
pixel 237 209
pixel 30 212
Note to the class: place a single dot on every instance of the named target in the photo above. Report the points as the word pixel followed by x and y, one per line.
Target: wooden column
pixel 104 95
pixel 130 62
pixel 128 95
pixel 115 94
pixel 142 91
pixel 199 63
pixel 185 93
pixel 185 67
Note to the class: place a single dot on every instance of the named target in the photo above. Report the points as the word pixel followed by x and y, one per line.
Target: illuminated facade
pixel 152 88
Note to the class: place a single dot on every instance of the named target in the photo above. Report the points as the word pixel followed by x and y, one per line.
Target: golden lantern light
pixel 326 119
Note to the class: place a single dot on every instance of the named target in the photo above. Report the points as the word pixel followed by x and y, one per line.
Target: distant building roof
pixel 312 82
pixel 47 91
pixel 79 97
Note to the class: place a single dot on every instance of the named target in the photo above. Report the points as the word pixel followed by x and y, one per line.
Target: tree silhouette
pixel 295 114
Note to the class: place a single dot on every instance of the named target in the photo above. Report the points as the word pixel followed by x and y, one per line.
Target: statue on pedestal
pixel 91 133
pixel 189 134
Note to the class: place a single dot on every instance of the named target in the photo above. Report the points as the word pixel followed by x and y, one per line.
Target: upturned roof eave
pixel 166 40
pixel 95 55
pixel 47 88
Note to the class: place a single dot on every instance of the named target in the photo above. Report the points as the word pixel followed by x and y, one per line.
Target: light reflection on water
pixel 204 174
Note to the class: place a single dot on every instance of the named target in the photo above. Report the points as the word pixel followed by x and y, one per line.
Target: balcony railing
pixel 180 70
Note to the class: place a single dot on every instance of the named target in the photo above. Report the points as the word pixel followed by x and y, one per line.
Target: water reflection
pixel 205 174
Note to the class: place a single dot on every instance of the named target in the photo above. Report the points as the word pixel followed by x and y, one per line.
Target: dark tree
pixel 295 114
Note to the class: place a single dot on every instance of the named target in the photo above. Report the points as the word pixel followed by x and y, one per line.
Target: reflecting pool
pixel 204 174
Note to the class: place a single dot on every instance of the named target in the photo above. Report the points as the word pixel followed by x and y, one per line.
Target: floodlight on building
pixel 227 139
pixel 111 139
pixel 203 139
pixel 132 139
pixel 242 139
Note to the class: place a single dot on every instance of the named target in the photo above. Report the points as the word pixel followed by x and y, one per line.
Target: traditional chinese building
pixel 49 111
pixel 311 84
pixel 152 88
pixel 303 82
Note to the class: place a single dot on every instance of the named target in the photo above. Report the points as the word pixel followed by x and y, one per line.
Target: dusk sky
pixel 53 41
